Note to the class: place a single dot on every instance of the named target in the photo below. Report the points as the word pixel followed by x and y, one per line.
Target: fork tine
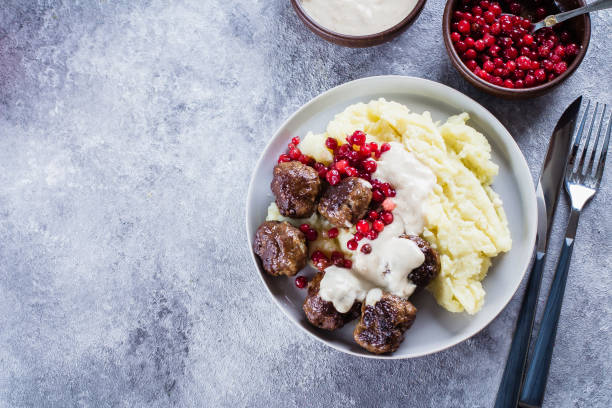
pixel 572 156
pixel 602 157
pixel 580 169
pixel 599 129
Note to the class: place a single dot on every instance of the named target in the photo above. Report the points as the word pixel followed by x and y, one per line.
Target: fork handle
pixel 510 386
pixel 532 394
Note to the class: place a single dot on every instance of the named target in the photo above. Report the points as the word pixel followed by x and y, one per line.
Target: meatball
pixel 430 268
pixel 296 187
pixel 382 326
pixel 281 248
pixel 321 313
pixel 346 202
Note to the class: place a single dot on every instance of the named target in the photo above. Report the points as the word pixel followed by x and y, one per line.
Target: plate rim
pixel 506 136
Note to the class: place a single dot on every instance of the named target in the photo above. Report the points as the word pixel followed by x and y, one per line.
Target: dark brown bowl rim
pixel 358 40
pixel 503 91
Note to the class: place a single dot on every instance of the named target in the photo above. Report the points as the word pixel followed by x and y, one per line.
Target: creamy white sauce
pixel 386 267
pixel 373 296
pixel 358 17
pixel 341 287
pixel 413 182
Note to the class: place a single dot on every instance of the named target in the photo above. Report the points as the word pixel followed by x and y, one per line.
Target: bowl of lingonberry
pixel 492 46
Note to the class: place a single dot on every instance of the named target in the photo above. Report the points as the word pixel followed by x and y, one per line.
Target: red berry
pixel 477 10
pixel 370 166
pixel 495 9
pixel 332 233
pixel 494 50
pixel 307 160
pixel 515 8
pixel 352 244
pixel 496 29
pixel 471 64
pixel 460 45
pixel 341 165
pixel 351 171
pixel 488 39
pixel 470 54
pixel 366 249
pixel 377 196
pixel 488 66
pixel 510 53
pixel 296 140
pixel 523 62
pixel 348 264
pixel 479 45
pixel 337 256
pixel 508 83
pixel 530 80
pixel 571 50
pixel 540 75
pixel 457 15
pixel 304 228
pixel 385 147
pixel 463 26
pixel 560 51
pixel 294 153
pixel 555 58
pixel 322 170
pixel 301 282
pixel 378 225
pixel 358 138
pixel 317 255
pixel 363 226
pixel 540 12
pixel 519 83
pixel 560 67
pixel 331 143
pixel 386 217
pixel 372 235
pixel 311 234
pixel 283 158
pixel 358 236
pixel 485 4
pixel 332 177
pixel 489 16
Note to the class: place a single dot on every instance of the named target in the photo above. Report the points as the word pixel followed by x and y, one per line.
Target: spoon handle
pixel 594 6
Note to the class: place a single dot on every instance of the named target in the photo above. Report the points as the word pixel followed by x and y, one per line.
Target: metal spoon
pixel 557 18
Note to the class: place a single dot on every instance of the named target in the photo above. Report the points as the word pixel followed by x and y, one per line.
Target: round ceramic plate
pixel 435 328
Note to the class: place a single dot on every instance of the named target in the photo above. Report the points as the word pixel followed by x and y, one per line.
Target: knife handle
pixel 537 374
pixel 509 388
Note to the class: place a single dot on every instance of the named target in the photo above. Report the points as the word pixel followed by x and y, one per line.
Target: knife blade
pixel 547 193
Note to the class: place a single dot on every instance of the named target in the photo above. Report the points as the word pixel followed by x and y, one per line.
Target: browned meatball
pixel 382 326
pixel 321 313
pixel 296 187
pixel 281 248
pixel 430 268
pixel 346 202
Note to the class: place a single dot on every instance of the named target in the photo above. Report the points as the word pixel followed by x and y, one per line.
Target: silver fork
pixel 581 184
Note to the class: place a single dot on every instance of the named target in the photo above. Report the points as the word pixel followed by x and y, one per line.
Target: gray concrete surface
pixel 128 130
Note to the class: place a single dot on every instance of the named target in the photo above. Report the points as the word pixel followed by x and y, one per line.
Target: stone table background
pixel 128 131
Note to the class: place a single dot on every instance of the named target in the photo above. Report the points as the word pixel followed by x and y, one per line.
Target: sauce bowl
pixel 357 41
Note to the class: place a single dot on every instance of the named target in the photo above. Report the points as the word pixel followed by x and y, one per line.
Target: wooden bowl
pixel 579 26
pixel 357 41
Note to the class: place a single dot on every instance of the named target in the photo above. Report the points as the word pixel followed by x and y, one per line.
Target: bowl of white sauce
pixel 358 23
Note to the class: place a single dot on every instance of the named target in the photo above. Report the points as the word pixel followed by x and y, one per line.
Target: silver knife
pixel 547 193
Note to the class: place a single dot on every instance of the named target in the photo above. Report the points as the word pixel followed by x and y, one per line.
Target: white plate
pixel 435 329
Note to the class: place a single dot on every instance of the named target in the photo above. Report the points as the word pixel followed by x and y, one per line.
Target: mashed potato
pixel 464 217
